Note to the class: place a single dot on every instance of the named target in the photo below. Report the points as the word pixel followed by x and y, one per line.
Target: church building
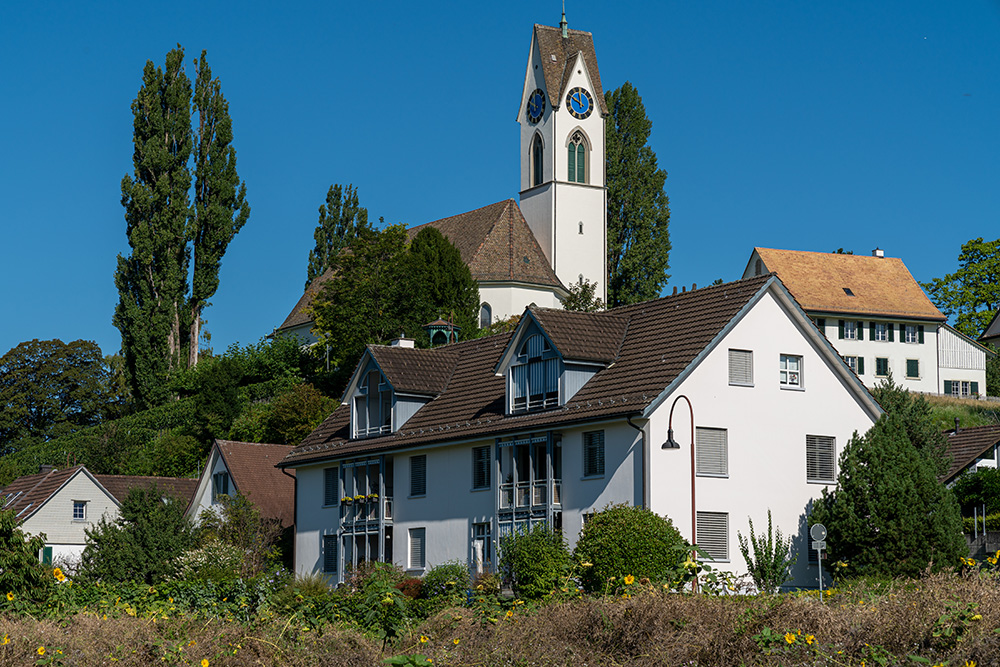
pixel 528 252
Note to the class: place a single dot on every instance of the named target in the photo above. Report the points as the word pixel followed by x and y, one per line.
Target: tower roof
pixel 558 54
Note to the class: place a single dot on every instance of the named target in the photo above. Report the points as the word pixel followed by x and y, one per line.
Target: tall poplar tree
pixel 638 208
pixel 341 219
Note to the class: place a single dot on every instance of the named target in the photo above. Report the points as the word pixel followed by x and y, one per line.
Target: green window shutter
pixel 861 330
pixel 975 388
pixel 821 325
pixel 581 164
pixel 912 368
pixel 572 163
pixel 947 386
pixel 920 335
pixel 871 330
pixel 861 365
pixel 840 329
pixel 891 327
pixel 46 555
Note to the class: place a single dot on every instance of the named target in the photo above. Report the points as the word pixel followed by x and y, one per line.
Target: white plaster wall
pixel 204 498
pixel 508 299
pixel 767 428
pixel 66 555
pixel 313 520
pixel 55 517
pixel 538 207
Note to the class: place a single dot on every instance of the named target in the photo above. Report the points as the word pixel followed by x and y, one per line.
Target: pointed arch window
pixel 577 158
pixel 537 153
pixel 485 316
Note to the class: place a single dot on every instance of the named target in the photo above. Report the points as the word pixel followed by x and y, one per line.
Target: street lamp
pixel 673 444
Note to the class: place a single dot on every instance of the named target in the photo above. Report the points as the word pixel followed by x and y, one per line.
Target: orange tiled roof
pixel 881 286
pixel 251 467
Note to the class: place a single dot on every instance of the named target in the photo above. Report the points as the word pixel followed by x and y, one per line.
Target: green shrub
pixel 534 560
pixel 20 571
pixel 446 579
pixel 770 561
pixel 621 540
pixel 992 523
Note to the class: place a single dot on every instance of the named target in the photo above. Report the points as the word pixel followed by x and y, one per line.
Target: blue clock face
pixel 579 102
pixel 536 106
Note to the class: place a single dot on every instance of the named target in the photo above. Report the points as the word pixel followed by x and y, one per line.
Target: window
pixel 914 333
pixel 913 369
pixel 790 370
pixel 577 158
pixel 482 547
pixel 372 406
pixel 821 455
pixel 535 376
pixel 330 553
pixel 79 510
pixel 849 329
pixel 713 534
pixel 856 364
pixel 46 556
pixel 485 316
pixel 741 367
pixel 593 454
pixel 711 451
pixel 881 367
pixel 418 538
pixel 418 475
pixel 961 388
pixel 220 485
pixel 536 160
pixel 581 231
pixel 331 487
pixel 480 467
pixel 880 331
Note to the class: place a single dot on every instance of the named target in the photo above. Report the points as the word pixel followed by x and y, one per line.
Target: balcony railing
pixel 365 510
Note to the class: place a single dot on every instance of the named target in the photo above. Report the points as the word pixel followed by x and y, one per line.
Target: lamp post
pixel 673 444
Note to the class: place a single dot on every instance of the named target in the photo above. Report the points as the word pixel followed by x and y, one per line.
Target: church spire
pixel 563 24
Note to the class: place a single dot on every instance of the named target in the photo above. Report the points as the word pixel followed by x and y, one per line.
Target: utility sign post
pixel 818 533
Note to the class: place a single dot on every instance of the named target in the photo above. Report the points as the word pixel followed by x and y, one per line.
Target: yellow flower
pixel 10 597
pixel 969 663
pixel 977 617
pixel 204 662
pixel 586 564
pixel 424 639
pixel 629 579
pixel 455 641
pixel 790 637
pixel 518 601
pixel 810 639
pixel 41 650
pixel 6 640
pixel 509 614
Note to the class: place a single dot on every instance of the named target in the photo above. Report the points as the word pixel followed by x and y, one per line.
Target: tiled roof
pixel 26 494
pixel 298 316
pixel 658 340
pixel 881 286
pixel 557 73
pixel 968 444
pixel 415 370
pixel 496 244
pixel 582 337
pixel 992 333
pixel 120 485
pixel 251 467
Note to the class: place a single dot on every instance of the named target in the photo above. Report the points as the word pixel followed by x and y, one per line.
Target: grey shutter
pixel 481 467
pixel 713 534
pixel 418 538
pixel 741 367
pixel 821 452
pixel 593 453
pixel 418 475
pixel 330 486
pixel 711 451
pixel 330 553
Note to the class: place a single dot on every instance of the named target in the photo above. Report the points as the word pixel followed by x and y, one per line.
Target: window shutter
pixel 861 331
pixel 481 467
pixel 840 329
pixel 330 490
pixel 572 163
pixel 975 387
pixel 912 368
pixel 821 325
pixel 46 555
pixel 861 365
pixel 713 534
pixel 581 164
pixel 418 537
pixel 892 327
pixel 821 451
pixel 741 367
pixel 920 334
pixel 711 451
pixel 871 330
pixel 947 386
pixel 593 454
pixel 418 475
pixel 330 553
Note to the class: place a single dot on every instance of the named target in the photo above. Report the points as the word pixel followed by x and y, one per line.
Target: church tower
pixel 563 195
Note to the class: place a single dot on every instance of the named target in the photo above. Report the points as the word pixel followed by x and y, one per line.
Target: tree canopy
pixel 638 208
pixel 341 219
pixel 972 293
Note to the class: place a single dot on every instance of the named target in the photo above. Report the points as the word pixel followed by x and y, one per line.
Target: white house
pixel 436 453
pixel 970 449
pixel 63 504
pixel 877 317
pixel 528 254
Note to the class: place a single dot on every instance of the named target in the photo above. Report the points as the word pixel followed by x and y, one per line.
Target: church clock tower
pixel 563 195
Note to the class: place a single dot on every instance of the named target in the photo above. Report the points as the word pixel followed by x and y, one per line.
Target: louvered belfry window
pixel 821 456
pixel 741 367
pixel 711 451
pixel 713 534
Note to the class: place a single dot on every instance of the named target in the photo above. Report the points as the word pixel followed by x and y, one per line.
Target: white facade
pixel 506 299
pixel 204 496
pixel 962 364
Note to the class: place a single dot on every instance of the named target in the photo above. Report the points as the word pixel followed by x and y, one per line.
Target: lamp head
pixel 670 443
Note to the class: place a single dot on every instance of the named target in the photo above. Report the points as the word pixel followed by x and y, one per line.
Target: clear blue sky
pixel 786 124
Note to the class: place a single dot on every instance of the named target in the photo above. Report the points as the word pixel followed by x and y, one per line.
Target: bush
pixel 621 540
pixel 20 571
pixel 534 560
pixel 770 562
pixel 975 489
pixel 446 579
pixel 238 524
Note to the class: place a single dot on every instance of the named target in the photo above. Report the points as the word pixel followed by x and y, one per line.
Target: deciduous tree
pixel 972 293
pixel 341 219
pixel 638 208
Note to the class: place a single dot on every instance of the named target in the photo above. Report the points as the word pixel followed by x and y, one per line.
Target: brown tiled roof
pixel 658 340
pixel 175 487
pixel 496 244
pixel 298 316
pixel 992 332
pixel 557 71
pixel 415 370
pixel 967 445
pixel 580 336
pixel 26 494
pixel 251 467
pixel 882 286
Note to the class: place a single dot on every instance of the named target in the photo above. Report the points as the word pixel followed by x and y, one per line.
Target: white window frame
pixel 881 334
pixel 381 411
pixel 852 362
pixel 712 536
pixel 217 478
pixel 850 330
pixel 911 334
pixel 741 368
pixel 711 452
pixel 787 377
pixel 821 453
pixel 82 506
pixel 416 551
pixel 534 379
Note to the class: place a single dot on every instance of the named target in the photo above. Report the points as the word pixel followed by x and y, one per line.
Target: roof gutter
pixel 645 460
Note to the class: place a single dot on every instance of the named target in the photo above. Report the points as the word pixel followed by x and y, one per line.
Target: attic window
pixel 372 406
pixel 848 292
pixel 534 378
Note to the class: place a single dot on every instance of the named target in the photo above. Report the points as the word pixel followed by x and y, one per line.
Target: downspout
pixel 644 458
pixel 295 513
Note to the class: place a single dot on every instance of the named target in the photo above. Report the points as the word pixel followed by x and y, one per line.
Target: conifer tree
pixel 341 220
pixel 638 208
pixel 441 286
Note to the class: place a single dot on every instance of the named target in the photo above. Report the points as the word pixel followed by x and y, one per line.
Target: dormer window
pixel 372 406
pixel 534 376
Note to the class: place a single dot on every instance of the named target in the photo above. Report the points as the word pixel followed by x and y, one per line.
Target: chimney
pixel 402 341
pixel 956 424
pixel 878 252
pixel 45 468
pixel 694 286
pixel 675 290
